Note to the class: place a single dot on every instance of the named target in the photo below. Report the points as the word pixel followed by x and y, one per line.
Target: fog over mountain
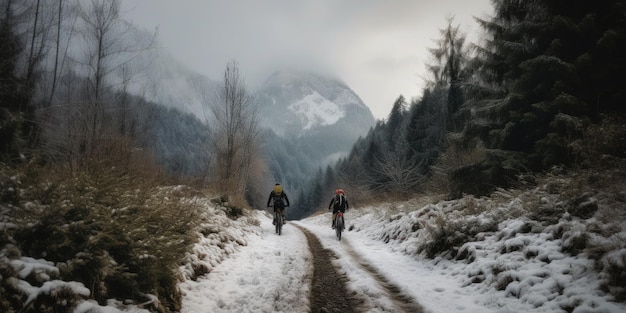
pixel 310 119
pixel 296 102
pixel 313 121
pixel 165 80
pixel 292 103
pixel 320 114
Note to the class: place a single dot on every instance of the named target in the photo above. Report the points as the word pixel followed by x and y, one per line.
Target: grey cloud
pixel 371 44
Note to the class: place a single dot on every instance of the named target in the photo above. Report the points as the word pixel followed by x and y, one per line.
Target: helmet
pixel 278 188
pixel 339 191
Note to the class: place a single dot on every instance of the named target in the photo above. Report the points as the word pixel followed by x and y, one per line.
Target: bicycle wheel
pixel 338 227
pixel 279 223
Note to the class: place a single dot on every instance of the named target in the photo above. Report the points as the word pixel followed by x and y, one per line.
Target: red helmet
pixel 339 191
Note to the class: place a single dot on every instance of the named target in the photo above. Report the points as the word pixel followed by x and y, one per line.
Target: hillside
pixel 313 120
pixel 296 104
pixel 555 246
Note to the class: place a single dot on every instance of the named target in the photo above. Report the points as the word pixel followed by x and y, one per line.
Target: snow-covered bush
pixel 218 236
pixel 446 236
pixel 536 245
pixel 613 265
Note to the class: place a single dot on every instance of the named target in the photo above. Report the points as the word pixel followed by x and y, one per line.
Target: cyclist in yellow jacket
pixel 279 197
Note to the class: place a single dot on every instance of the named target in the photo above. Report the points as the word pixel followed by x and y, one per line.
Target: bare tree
pixel 57 52
pixel 99 21
pixel 236 133
pixel 400 174
pixel 101 64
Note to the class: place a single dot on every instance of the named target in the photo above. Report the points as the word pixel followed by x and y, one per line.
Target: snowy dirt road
pixel 308 270
pixel 329 287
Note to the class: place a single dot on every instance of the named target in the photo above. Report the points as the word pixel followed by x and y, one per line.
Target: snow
pixel 433 289
pixel 314 110
pixel 27 266
pixel 273 273
pixel 270 274
pixel 94 307
pixel 7 226
pixel 54 286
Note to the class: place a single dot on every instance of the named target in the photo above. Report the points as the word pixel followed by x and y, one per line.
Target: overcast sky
pixel 378 47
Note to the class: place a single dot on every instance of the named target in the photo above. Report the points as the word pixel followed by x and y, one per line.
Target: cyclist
pixel 279 197
pixel 338 203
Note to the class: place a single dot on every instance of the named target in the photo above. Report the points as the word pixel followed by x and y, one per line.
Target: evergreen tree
pixel 394 122
pixel 590 36
pixel 17 114
pixel 374 153
pixel 426 128
pixel 529 79
pixel 546 70
pixel 317 193
pixel 351 173
pixel 449 69
pixel 303 207
pixel 330 180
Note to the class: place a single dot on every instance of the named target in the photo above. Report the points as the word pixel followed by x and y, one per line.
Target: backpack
pixel 340 202
pixel 277 196
pixel 278 199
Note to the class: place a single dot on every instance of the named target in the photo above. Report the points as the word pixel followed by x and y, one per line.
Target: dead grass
pixel 107 223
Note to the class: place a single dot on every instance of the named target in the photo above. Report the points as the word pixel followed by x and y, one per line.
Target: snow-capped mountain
pixel 319 117
pixel 296 103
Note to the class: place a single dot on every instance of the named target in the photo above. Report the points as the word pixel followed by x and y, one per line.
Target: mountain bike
pixel 278 218
pixel 339 224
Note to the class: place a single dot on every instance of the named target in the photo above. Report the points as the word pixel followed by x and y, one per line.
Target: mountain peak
pixel 299 101
pixel 314 109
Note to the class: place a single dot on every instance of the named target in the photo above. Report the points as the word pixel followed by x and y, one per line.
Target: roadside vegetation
pixel 536 243
pixel 118 231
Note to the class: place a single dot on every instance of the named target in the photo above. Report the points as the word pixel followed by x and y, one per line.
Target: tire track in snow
pixel 325 290
pixel 328 290
pixel 401 300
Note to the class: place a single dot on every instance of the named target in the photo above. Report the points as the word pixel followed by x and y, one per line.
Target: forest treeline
pixel 543 87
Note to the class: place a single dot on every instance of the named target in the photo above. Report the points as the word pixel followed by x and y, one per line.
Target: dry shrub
pixel 581 192
pixel 456 155
pixel 614 273
pixel 540 210
pixel 359 195
pixel 575 243
pixel 610 254
pixel 447 235
pixel 118 156
pixel 421 201
pixel 503 280
pixel 106 224
pixel 471 206
pixel 606 138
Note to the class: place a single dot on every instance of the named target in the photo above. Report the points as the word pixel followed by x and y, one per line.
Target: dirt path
pixel 402 301
pixel 329 292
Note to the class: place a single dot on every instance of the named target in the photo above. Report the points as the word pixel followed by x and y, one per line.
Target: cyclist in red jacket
pixel 338 203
